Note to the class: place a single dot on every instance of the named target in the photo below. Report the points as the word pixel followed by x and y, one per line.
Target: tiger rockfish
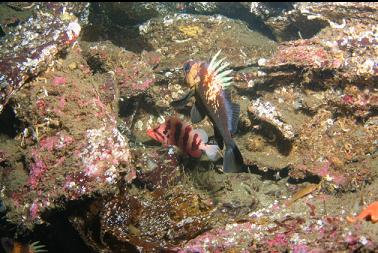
pixel 190 141
pixel 209 83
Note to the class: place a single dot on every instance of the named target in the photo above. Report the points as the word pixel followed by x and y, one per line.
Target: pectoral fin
pixel 181 102
pixel 197 113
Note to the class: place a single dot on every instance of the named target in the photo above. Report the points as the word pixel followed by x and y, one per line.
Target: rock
pixel 131 73
pixel 198 36
pixel 333 74
pixel 71 143
pixel 307 19
pixel 31 46
pixel 266 112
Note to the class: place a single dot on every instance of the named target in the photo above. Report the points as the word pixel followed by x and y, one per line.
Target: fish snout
pixel 151 133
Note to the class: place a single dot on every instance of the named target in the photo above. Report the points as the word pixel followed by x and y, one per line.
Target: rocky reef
pixel 81 83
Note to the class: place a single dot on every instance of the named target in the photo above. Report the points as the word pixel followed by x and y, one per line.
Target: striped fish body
pixel 178 133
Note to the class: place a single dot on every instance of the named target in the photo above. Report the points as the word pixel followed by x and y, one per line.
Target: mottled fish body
pixel 209 83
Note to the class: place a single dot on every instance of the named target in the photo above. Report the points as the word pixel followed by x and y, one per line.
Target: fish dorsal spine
pixel 216 70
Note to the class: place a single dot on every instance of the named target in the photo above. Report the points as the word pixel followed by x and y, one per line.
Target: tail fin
pixel 213 152
pixel 233 159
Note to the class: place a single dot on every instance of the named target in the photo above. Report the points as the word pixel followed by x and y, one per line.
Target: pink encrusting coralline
pixel 59 80
pixel 103 151
pixel 276 235
pixel 132 80
pixel 37 169
pixel 58 141
pixel 72 146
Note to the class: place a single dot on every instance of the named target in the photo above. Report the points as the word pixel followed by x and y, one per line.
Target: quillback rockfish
pixel 209 83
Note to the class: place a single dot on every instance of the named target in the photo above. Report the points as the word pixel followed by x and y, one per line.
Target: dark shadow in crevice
pixel 60 235
pixel 10 125
pixel 116 246
pixel 269 174
pixel 239 12
pixel 2 33
pixel 309 178
pixel 305 30
pixel 278 174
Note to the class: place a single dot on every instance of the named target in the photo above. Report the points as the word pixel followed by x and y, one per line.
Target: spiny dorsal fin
pixel 217 70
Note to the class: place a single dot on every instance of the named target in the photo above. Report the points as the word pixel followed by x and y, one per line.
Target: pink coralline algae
pixel 221 239
pixel 278 240
pixel 304 52
pixel 34 210
pixel 26 51
pixel 133 73
pixel 350 50
pixel 59 80
pixel 58 141
pixel 37 169
pixel 137 78
pixel 103 153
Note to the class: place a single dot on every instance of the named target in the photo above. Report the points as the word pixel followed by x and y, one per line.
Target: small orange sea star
pixel 370 212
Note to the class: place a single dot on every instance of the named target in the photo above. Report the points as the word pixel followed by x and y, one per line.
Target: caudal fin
pixel 213 152
pixel 233 159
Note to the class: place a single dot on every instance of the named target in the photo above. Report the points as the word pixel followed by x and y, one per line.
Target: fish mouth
pixel 151 133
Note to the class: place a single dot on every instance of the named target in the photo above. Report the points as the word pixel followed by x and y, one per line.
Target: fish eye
pixel 187 66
